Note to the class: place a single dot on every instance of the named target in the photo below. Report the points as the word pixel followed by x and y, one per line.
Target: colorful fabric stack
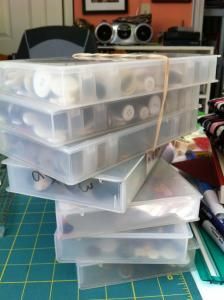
pixel 213 123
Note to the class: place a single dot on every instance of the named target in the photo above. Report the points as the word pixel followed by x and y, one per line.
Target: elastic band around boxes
pixel 69 83
pixel 158 245
pixel 77 162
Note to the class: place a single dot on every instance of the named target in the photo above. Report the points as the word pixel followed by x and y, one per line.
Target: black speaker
pixel 55 41
pixel 104 33
pixel 143 33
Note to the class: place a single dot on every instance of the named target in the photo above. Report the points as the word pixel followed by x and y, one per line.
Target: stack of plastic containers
pixel 82 133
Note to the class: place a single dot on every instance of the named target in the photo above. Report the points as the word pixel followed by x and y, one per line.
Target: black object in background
pixel 217 88
pixel 214 3
pixel 55 41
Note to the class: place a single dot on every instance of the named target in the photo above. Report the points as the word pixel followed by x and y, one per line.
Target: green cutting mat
pixel 5 198
pixel 29 271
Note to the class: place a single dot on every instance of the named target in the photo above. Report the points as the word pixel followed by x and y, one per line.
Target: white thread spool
pixel 42 132
pixel 143 112
pixel 154 105
pixel 14 79
pixel 122 115
pixel 42 83
pixel 146 81
pixel 148 251
pixel 43 183
pixel 128 83
pixel 128 113
pixel 149 83
pixel 65 89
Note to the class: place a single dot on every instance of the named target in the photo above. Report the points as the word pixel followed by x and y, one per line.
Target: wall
pixel 163 15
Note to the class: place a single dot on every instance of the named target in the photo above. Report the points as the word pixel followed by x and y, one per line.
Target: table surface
pixel 28 269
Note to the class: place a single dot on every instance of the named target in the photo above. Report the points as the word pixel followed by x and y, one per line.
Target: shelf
pixel 159 48
pixel 214 12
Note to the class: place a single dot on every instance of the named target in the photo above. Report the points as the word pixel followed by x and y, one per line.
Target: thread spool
pixel 14 80
pixel 128 83
pixel 143 112
pixel 65 89
pixel 42 132
pixel 128 113
pixel 149 83
pixel 147 251
pixel 42 83
pixel 41 181
pixel 121 114
pixel 146 82
pixel 154 105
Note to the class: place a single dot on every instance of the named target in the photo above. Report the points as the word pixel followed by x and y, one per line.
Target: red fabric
pixel 201 168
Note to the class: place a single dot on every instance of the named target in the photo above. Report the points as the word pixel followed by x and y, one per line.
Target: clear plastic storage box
pixel 112 190
pixel 165 198
pixel 158 245
pixel 77 162
pixel 70 83
pixel 54 126
pixel 93 276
